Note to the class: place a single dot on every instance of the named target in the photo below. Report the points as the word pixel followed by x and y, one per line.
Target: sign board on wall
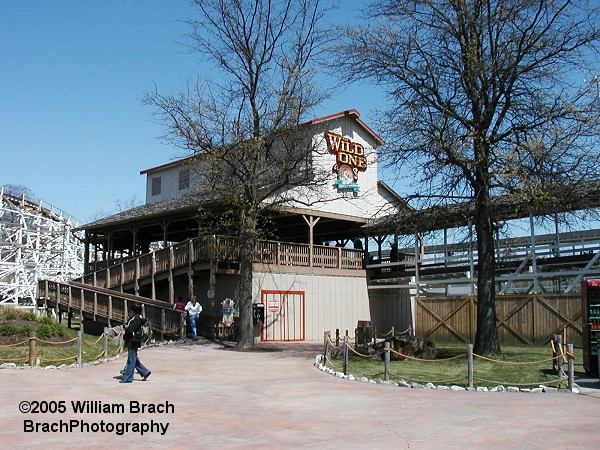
pixel 349 160
pixel 273 305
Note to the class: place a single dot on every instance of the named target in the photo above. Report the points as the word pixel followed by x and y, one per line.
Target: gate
pixel 284 316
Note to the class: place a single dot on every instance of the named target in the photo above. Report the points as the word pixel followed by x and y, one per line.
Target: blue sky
pixel 73 72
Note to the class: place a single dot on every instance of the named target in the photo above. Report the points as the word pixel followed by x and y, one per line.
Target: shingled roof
pixel 178 206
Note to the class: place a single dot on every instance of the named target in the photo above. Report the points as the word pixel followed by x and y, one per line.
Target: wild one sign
pixel 349 160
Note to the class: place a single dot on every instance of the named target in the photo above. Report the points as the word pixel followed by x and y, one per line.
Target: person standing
pixel 134 323
pixel 193 309
pixel 179 305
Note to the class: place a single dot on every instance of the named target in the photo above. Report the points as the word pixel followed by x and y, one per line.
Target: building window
pixel 184 179
pixel 156 186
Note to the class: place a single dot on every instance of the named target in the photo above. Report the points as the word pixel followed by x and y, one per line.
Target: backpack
pixel 142 334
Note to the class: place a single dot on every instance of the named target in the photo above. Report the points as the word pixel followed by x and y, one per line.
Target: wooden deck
pixel 220 253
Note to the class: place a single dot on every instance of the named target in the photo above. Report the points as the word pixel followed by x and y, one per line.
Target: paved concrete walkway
pixel 207 397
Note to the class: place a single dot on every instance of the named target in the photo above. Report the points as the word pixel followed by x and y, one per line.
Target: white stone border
pixel 540 389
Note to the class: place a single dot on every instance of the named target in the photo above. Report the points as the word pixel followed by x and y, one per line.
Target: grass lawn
pixel 508 371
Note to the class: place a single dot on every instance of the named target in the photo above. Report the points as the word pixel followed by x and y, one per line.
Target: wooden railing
pixel 202 250
pixel 112 306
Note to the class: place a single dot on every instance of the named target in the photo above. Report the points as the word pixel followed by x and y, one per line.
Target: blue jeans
pixel 133 363
pixel 193 326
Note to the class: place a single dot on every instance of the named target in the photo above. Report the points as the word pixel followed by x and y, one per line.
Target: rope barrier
pixel 59 360
pixel 364 356
pixel 14 345
pixel 516 363
pixel 93 343
pixel 333 355
pixel 14 359
pixel 97 356
pixel 55 343
pixel 563 354
pixel 428 360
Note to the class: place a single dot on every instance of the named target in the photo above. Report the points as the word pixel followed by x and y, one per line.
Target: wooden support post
pixel 110 310
pixel 171 283
pixel 386 372
pixel 560 370
pixel 182 324
pixel 32 355
pixel 79 346
pixel 326 337
pixel 571 366
pixel 345 353
pixel 105 342
pixel 153 277
pixel 470 364
pixel 163 324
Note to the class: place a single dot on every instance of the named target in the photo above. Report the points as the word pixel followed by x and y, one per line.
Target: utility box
pixel 258 313
pixel 590 320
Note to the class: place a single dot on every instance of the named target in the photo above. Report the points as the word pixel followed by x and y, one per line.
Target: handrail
pixel 109 304
pixel 220 248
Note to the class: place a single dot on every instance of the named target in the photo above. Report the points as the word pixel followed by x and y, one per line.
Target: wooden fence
pixel 527 319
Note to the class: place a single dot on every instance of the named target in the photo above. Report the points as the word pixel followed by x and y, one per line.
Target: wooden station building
pixel 311 276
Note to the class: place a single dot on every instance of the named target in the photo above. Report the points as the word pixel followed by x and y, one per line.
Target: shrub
pixel 49 330
pixel 47 320
pixel 28 315
pixel 26 330
pixel 8 329
pixel 10 313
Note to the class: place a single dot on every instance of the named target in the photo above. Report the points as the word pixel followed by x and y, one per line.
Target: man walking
pixel 193 309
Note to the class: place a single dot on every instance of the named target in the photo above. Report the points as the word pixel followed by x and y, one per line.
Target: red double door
pixel 284 316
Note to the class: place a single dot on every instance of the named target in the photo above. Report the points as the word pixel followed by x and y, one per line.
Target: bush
pixel 8 329
pixel 29 316
pixel 49 330
pixel 10 313
pixel 47 320
pixel 26 330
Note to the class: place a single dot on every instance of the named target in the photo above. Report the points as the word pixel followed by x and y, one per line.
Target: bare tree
pixel 18 190
pixel 488 98
pixel 243 127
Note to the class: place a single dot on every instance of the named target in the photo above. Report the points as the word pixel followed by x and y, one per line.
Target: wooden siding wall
pixel 522 319
pixel 390 308
pixel 330 301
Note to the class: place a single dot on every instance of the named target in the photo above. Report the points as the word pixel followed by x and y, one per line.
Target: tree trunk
pixel 247 244
pixel 486 339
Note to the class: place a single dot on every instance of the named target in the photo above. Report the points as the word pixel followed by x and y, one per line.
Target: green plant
pixel 9 313
pixel 8 329
pixel 29 316
pixel 50 329
pixel 26 330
